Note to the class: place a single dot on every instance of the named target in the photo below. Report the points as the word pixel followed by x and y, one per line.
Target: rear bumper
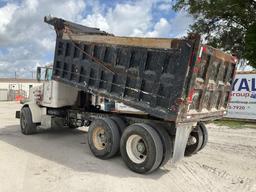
pixel 208 116
pixel 17 115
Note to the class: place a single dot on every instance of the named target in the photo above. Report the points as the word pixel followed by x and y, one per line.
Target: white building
pixel 11 87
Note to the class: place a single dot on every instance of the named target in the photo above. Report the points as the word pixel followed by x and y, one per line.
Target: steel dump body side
pixel 171 79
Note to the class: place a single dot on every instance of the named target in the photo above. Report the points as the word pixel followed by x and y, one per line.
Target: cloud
pixel 180 24
pixel 161 29
pixel 26 21
pixel 24 35
pixel 124 19
pixel 96 20
pixel 6 13
pixel 165 6
pixel 135 19
pixel 26 41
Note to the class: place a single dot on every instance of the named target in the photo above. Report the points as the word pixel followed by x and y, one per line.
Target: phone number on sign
pixel 238 107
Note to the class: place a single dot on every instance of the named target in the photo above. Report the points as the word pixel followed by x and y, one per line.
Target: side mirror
pixel 48 74
pixel 38 73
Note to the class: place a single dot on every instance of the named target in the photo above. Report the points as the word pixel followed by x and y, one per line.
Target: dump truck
pixel 176 84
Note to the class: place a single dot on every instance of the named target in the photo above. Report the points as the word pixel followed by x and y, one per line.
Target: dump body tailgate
pixel 209 86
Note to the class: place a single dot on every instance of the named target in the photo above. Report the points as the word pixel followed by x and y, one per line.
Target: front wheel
pixel 26 123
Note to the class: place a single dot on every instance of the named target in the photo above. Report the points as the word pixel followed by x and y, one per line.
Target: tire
pixel 26 124
pixel 147 152
pixel 205 134
pixel 103 138
pixel 166 142
pixel 120 124
pixel 194 148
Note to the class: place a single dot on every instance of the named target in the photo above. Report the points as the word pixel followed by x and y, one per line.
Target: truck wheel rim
pixel 136 149
pixel 191 140
pixel 99 138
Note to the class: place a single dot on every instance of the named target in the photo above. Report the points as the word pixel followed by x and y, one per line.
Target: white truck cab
pixel 43 100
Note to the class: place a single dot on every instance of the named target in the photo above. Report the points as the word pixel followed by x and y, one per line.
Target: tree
pixel 226 24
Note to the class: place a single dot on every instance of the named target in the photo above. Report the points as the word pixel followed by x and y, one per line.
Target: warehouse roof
pixel 17 80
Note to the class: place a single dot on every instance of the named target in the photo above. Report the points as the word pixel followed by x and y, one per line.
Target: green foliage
pixel 226 24
pixel 235 123
pixel 250 44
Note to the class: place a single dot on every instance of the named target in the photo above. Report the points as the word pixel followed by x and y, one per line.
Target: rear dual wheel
pixel 104 138
pixel 205 135
pixel 167 142
pixel 121 124
pixel 197 140
pixel 144 148
pixel 141 148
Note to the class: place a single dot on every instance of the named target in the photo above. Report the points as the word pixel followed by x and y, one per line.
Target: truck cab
pixel 52 93
pixel 46 105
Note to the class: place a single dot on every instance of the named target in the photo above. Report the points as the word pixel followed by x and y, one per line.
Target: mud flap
pixel 182 133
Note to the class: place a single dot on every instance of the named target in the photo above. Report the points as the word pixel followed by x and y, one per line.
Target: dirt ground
pixel 62 161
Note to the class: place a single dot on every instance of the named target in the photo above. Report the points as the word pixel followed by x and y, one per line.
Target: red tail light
pixel 190 95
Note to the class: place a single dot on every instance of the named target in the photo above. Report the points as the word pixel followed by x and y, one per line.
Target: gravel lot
pixel 62 161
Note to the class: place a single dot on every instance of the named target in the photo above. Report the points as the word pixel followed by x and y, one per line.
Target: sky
pixel 27 42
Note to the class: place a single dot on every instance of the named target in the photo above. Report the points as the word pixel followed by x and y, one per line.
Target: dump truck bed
pixel 171 79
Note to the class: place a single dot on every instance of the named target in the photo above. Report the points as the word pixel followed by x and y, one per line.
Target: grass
pixel 236 124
